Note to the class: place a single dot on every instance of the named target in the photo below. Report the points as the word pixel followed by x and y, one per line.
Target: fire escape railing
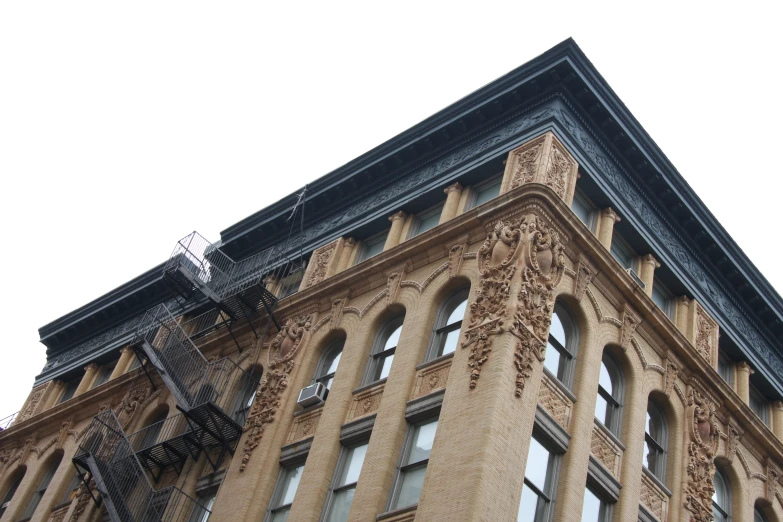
pixel 107 455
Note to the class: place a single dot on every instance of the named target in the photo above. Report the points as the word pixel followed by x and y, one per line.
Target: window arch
pixel 327 366
pixel 656 436
pixel 382 354
pixel 608 406
pixel 562 345
pixel 246 393
pixel 721 499
pixel 448 324
pixel 43 484
pixel 758 516
pixel 12 487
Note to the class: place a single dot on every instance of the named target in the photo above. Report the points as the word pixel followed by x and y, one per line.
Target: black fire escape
pixel 213 397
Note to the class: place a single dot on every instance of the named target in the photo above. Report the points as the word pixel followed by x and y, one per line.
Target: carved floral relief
pixel 701 454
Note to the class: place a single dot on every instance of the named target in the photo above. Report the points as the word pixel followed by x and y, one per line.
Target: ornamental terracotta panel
pixel 58 515
pixel 654 498
pixel 407 516
pixel 366 402
pixel 606 451
pixel 555 401
pixel 304 425
pixel 431 378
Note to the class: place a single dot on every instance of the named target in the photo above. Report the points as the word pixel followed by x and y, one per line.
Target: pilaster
pixel 397 221
pixel 453 193
pixel 648 265
pixel 86 382
pixel 606 220
pixel 744 371
pixel 126 356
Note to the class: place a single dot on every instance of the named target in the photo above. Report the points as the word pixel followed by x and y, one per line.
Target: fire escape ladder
pixel 107 455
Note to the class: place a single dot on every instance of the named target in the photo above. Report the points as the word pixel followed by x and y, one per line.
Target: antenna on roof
pixel 299 202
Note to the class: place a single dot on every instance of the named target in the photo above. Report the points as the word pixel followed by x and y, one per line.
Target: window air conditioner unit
pixel 635 277
pixel 312 395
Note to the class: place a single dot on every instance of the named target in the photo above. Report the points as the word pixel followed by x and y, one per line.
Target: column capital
pixel 611 214
pixel 91 367
pixel 648 258
pixel 454 187
pixel 777 405
pixel 349 241
pixel 397 216
pixel 743 366
pixel 126 349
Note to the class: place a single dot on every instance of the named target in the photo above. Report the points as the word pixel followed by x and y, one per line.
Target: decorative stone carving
pixel 84 496
pixel 455 259
pixel 553 400
pixel 366 402
pixel 337 312
pixel 606 451
pixel 672 370
pixel 629 321
pixel 652 496
pixel 773 476
pixel 393 286
pixel 320 262
pixel 282 351
pixel 527 351
pixel 65 428
pixel 59 514
pixel 542 160
pixel 584 274
pixel 432 378
pixel 733 435
pixel 706 334
pixel 131 402
pixel 35 398
pixel 531 248
pixel 702 447
pixel 304 426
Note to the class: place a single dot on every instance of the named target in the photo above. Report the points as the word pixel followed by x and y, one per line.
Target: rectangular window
pixel 284 493
pixel 70 389
pixel 41 491
pixel 594 509
pixel 484 192
pixel 537 503
pixel 726 368
pixel 426 220
pixel 104 373
pixel 201 512
pixel 344 485
pixel 663 298
pixel 584 209
pixel 413 468
pixel 290 283
pixel 72 490
pixel 759 405
pixel 372 246
pixel 622 252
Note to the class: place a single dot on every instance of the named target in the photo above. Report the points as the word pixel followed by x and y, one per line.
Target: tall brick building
pixel 515 310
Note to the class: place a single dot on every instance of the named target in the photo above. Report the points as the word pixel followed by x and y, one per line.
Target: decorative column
pixel 126 356
pixel 744 371
pixel 53 394
pixel 89 374
pixel 606 220
pixel 349 245
pixel 648 266
pixel 397 221
pixel 453 193
pixel 496 374
pixel 777 419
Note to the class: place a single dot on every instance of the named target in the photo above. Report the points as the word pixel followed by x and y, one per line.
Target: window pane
pixel 428 222
pixel 605 380
pixel 660 297
pixel 600 410
pixel 374 247
pixel 581 209
pixel 486 193
pixel 281 516
pixel 393 339
pixel 552 360
pixel 621 254
pixel 384 367
pixel 412 480
pixel 334 362
pixel 557 331
pixel 651 457
pixel 528 506
pixel 292 477
pixel 591 509
pixel 458 313
pixel 353 465
pixel 450 344
pixel 423 437
pixel 341 505
pixel 537 464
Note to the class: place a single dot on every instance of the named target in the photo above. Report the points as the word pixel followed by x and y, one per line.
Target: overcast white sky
pixel 124 126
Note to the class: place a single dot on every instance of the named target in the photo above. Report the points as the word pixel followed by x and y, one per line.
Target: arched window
pixel 448 325
pixel 721 499
pixel 9 494
pixel 149 434
pixel 655 441
pixel 561 348
pixel 247 393
pixel 758 516
pixel 610 395
pixel 327 366
pixel 383 351
pixel 46 479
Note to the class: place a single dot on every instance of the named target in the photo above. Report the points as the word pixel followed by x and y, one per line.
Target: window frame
pixel 402 464
pixel 592 209
pixel 662 446
pixel 380 353
pixel 104 373
pixel 726 368
pixel 11 491
pixel 289 280
pixel 42 487
pixel 613 401
pixel 569 352
pixel 247 394
pixel 761 402
pixel 606 508
pixel 621 246
pixel 334 486
pixel 726 490
pixel 320 374
pixel 380 237
pixel 277 494
pixel 495 179
pixel 440 329
pixel 69 390
pixel 434 210
pixel 668 297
